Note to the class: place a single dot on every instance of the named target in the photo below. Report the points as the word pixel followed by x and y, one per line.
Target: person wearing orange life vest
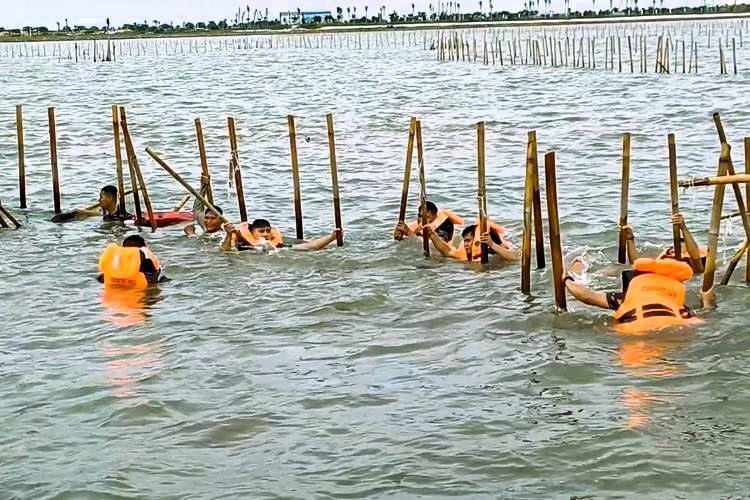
pixel 653 296
pixel 261 236
pixel 470 248
pixel 131 265
pixel 442 222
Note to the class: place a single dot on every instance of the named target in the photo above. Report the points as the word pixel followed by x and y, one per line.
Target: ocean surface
pixel 367 370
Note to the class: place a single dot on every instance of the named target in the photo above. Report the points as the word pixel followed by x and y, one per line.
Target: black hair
pixel 218 209
pixel 110 190
pixel 431 207
pixel 259 224
pixel 135 240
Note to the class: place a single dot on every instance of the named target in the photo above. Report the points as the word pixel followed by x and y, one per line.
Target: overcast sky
pixel 16 13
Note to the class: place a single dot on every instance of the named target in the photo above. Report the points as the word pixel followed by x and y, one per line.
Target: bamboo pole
pixel 407 170
pixel 676 243
pixel 187 186
pixel 536 201
pixel 554 231
pixel 295 177
pixel 3 224
pixel 121 209
pixel 482 190
pixel 53 159
pixel 422 190
pixel 235 162
pixel 527 218
pixel 334 179
pixel 136 169
pixel 721 180
pixel 713 233
pixel 730 170
pixel 9 216
pixel 204 159
pixel 624 188
pixel 21 157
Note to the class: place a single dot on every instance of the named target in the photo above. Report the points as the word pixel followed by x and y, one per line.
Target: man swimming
pixel 261 236
pixel 469 249
pixel 120 266
pixel 442 222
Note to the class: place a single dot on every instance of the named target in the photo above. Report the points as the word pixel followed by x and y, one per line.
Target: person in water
pixel 107 209
pixel 652 296
pixel 470 247
pixel 210 223
pixel 261 236
pixel 130 265
pixel 442 222
pixel 690 246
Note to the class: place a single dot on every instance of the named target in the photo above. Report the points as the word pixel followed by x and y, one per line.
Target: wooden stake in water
pixel 422 190
pixel 554 231
pixel 204 160
pixel 713 232
pixel 482 190
pixel 121 209
pixel 676 243
pixel 536 200
pixel 53 159
pixel 334 179
pixel 295 177
pixel 9 216
pixel 235 162
pixel 21 158
pixel 136 169
pixel 622 247
pixel 407 170
pixel 527 218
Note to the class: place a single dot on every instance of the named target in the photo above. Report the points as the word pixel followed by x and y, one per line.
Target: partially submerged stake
pixel 235 163
pixel 407 169
pixel 713 232
pixel 9 216
pixel 53 159
pixel 118 160
pixel 527 227
pixel 334 179
pixel 622 245
pixel 133 177
pixel 21 158
pixel 536 200
pixel 554 231
pixel 187 186
pixel 136 169
pixel 422 190
pixel 295 177
pixel 482 191
pixel 204 160
pixel 676 244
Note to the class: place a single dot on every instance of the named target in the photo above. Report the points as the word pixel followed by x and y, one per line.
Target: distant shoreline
pixel 358 28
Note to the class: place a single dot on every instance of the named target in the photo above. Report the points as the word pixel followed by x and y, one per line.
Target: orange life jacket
pixel 442 216
pixel 276 240
pixel 476 245
pixel 121 266
pixel 656 299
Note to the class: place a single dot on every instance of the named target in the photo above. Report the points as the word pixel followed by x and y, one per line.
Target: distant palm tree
pixel 366 12
pixel 354 9
pixel 593 5
pixel 349 13
pixel 58 25
pixel 661 3
pixel 156 23
pixel 610 5
pixel 412 10
pixel 480 5
pixel 636 5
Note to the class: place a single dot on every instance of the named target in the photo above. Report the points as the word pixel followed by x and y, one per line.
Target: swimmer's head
pixel 467 238
pixel 108 198
pixel 134 241
pixel 432 211
pixel 261 228
pixel 211 219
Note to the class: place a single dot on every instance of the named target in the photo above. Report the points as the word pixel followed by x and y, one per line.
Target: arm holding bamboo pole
pixel 622 247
